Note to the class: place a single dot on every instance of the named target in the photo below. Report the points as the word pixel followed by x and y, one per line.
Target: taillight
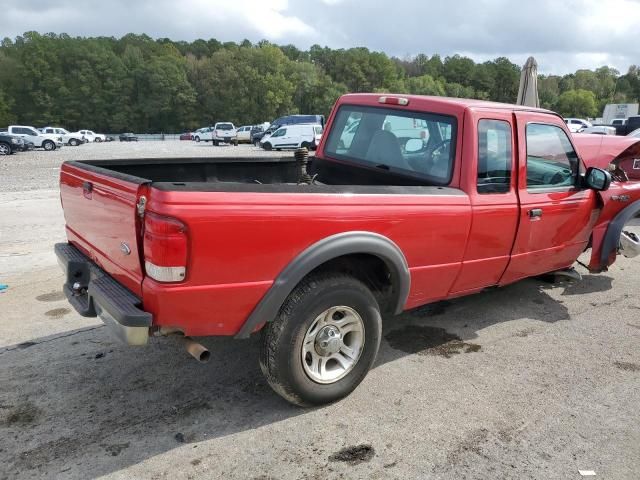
pixel 165 248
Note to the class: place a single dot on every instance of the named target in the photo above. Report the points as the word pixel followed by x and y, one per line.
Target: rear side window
pixel 551 160
pixel 416 144
pixel 494 156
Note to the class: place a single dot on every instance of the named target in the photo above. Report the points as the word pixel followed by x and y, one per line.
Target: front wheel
pixel 197 139
pixel 73 142
pixel 48 145
pixel 5 148
pixel 323 341
pixel 266 146
pixel 97 140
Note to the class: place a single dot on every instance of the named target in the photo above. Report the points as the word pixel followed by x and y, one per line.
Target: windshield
pixel 412 143
pixel 224 126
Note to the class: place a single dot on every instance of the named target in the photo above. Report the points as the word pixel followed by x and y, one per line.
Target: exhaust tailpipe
pixel 629 244
pixel 197 350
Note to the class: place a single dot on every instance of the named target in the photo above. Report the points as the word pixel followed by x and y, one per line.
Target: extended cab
pixel 48 141
pixel 425 199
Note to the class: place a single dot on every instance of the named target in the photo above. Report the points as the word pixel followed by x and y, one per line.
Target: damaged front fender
pixel 621 203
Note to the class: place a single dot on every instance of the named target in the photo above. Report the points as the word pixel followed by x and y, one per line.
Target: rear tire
pixel 5 149
pixel 292 356
pixel 48 145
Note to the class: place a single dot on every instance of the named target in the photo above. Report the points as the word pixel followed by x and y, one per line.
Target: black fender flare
pixel 327 249
pixel 612 236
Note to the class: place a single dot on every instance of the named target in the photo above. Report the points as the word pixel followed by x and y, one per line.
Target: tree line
pixel 136 83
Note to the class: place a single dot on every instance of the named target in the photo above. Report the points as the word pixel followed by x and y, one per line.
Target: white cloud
pixel 563 36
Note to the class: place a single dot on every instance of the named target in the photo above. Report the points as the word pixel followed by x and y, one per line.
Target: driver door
pixel 556 214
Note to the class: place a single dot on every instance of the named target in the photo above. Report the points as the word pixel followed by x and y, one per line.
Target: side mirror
pixel 597 179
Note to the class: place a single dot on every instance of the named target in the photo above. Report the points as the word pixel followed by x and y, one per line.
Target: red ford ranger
pixel 409 200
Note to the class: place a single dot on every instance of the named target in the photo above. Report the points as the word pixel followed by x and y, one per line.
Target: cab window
pixel 494 156
pixel 413 144
pixel 551 160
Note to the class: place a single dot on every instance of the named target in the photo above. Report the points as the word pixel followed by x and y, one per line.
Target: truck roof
pixel 461 103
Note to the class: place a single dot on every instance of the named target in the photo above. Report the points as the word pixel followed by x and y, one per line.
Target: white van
pixel 294 136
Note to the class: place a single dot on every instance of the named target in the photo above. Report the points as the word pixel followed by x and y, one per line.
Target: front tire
pixel 266 146
pixel 48 145
pixel 197 139
pixel 5 149
pixel 97 140
pixel 323 341
pixel 73 142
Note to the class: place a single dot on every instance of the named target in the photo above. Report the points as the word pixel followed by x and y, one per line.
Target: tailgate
pixel 101 219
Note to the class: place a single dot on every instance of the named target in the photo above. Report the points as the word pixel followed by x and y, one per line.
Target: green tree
pixel 577 103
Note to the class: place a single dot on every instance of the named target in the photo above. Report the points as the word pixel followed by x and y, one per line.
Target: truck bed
pixel 245 174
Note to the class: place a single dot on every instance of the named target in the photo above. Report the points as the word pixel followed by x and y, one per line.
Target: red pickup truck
pixel 409 200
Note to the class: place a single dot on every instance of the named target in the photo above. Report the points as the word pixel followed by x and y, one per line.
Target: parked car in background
pixel 577 124
pixel 294 136
pixel 91 136
pixel 128 137
pixel 186 136
pixel 27 145
pixel 202 134
pixel 256 133
pixel 47 141
pixel 224 132
pixel 289 120
pixel 10 143
pixel 599 130
pixel 73 139
pixel 244 134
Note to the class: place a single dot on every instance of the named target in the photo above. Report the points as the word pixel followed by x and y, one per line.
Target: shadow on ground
pixel 80 398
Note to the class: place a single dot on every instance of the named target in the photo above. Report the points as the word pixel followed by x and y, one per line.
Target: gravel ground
pixel 38 169
pixel 531 381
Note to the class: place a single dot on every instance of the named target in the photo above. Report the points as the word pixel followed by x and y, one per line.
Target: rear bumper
pixel 92 292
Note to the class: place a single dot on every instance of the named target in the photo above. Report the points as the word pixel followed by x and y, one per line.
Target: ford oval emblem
pixel 124 248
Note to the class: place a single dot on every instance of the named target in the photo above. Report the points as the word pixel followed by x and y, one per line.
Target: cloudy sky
pixel 563 35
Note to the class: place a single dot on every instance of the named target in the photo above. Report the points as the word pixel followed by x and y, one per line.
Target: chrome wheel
pixel 333 344
pixel 5 149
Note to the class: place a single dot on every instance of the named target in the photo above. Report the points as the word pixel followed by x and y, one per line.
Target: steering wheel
pixel 444 144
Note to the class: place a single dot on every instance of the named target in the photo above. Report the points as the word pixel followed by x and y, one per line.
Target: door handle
pixel 87 189
pixel 535 213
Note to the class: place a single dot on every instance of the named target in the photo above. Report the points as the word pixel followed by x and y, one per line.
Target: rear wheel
pixel 48 145
pixel 323 341
pixel 5 148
